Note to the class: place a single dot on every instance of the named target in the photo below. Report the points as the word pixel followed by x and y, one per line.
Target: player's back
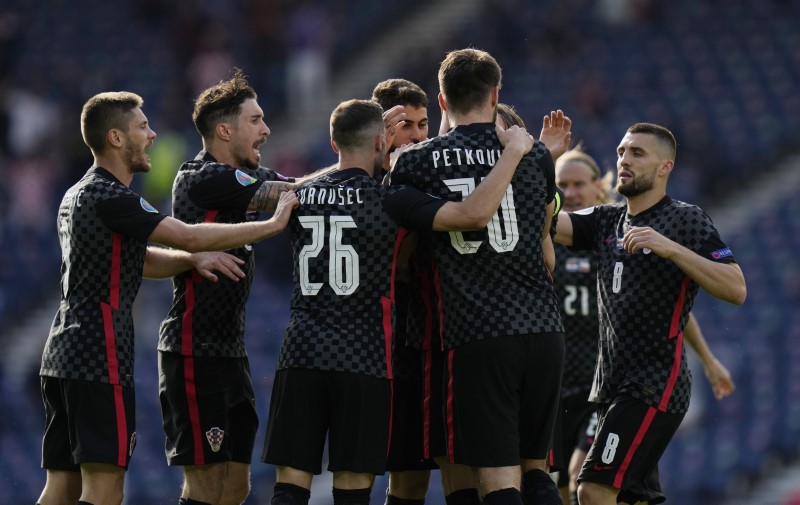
pixel 493 281
pixel 344 249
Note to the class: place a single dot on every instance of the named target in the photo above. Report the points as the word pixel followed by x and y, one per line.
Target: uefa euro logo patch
pixel 214 437
pixel 722 253
pixel 146 205
pixel 244 179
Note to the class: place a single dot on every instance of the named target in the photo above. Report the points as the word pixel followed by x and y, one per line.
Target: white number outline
pixel 343 265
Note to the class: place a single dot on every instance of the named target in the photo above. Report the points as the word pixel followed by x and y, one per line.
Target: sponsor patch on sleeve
pixel 244 179
pixel 146 205
pixel 722 253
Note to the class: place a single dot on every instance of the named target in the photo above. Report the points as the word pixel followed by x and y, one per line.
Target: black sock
pixel 573 497
pixel 351 496
pixel 468 496
pixel 289 494
pixel 393 500
pixel 539 489
pixel 189 501
pixel 507 496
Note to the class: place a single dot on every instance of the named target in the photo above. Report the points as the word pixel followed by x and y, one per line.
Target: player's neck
pixel 365 161
pixel 221 155
pixel 640 203
pixel 116 166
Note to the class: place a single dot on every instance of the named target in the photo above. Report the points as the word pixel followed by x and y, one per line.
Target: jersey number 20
pixel 343 274
pixel 503 237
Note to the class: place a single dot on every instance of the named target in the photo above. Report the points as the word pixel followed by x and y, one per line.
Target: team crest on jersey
pixel 214 437
pixel 146 205
pixel 581 265
pixel 244 179
pixel 722 253
pixel 132 444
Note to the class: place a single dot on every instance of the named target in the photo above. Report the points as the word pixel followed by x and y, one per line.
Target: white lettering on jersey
pixel 448 157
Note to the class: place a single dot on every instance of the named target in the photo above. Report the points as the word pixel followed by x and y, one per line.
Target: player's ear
pixel 114 137
pixel 333 146
pixel 223 131
pixel 442 104
pixel 495 96
pixel 666 168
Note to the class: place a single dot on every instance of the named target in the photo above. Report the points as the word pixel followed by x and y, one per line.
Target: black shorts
pixel 574 413
pixel 87 422
pixel 631 437
pixel 495 387
pixel 417 423
pixel 208 409
pixel 352 409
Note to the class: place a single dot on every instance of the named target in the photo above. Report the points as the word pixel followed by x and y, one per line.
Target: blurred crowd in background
pixel 723 75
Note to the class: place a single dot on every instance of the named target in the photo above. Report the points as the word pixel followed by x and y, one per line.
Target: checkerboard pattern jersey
pixel 343 247
pixel 205 190
pixel 92 334
pixel 493 282
pixel 639 295
pixel 575 278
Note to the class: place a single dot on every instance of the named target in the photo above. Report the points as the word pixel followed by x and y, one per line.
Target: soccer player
pixel 87 363
pixel 207 398
pixel 501 326
pixel 653 254
pixel 417 438
pixel 412 126
pixel 334 367
pixel 583 185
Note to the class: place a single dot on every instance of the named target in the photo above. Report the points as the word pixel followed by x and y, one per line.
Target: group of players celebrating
pixel 426 327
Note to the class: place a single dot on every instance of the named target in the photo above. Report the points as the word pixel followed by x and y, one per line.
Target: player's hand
pixel 515 138
pixel 556 133
pixel 226 264
pixel 394 155
pixel 646 240
pixel 283 211
pixel 720 378
pixel 393 120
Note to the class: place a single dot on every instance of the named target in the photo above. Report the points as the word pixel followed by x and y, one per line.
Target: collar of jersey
pixel 105 174
pixel 661 203
pixel 347 173
pixel 474 127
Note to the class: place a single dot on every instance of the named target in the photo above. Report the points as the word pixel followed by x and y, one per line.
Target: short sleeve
pixel 129 214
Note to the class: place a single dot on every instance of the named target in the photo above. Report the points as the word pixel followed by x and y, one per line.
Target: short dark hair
pixel 466 76
pixel 106 111
pixel 392 92
pixel 221 103
pixel 354 123
pixel 662 134
pixel 509 115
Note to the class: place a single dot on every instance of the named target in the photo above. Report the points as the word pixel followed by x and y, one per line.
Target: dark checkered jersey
pixel 575 278
pixel 344 249
pixel 103 228
pixel 207 318
pixel 644 301
pixel 493 282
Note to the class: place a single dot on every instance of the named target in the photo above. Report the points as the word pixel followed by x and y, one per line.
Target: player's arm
pixel 563 233
pixel 161 263
pixel 269 194
pixel 478 208
pixel 216 236
pixel 721 280
pixel 718 376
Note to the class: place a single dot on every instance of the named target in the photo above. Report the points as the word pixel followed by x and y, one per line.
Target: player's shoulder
pixel 686 211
